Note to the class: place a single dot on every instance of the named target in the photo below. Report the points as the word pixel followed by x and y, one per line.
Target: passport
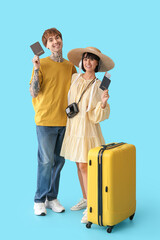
pixel 105 82
pixel 37 49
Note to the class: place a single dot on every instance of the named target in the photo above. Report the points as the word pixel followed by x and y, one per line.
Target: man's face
pixel 54 43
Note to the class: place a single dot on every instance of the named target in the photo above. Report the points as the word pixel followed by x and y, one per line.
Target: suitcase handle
pixel 112 145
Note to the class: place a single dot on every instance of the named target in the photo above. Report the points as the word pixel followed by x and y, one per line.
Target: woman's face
pixel 89 64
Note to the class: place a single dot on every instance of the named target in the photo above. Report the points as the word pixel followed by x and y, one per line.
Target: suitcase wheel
pixel 88 225
pixel 131 217
pixel 109 229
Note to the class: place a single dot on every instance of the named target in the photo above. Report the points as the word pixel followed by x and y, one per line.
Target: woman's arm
pixel 100 109
pixel 99 114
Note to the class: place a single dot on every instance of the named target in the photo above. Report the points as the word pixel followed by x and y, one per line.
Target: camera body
pixel 72 110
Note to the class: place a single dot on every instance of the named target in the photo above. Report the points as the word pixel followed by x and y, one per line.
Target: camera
pixel 72 110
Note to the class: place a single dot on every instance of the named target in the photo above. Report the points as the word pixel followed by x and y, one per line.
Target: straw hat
pixel 75 55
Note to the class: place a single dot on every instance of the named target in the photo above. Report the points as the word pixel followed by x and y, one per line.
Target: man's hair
pixel 48 33
pixel 90 56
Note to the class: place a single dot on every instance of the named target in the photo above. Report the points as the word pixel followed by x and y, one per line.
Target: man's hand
pixel 104 98
pixel 36 62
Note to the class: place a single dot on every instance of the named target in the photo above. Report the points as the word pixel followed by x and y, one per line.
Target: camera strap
pixel 87 88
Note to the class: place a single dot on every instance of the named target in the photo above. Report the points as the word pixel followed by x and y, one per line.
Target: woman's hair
pixel 48 33
pixel 90 56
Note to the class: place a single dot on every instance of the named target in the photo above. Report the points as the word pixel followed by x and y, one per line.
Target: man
pixel 49 87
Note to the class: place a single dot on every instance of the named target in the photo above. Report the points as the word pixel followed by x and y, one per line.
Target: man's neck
pixel 57 56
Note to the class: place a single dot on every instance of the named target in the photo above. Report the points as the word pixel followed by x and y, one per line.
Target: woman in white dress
pixel 83 131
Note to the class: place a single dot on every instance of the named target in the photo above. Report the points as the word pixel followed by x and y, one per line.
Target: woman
pixel 83 130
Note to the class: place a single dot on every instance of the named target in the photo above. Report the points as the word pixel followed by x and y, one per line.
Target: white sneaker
pixel 85 211
pixel 54 205
pixel 81 205
pixel 85 218
pixel 39 209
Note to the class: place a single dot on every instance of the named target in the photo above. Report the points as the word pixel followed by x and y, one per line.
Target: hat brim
pixel 75 55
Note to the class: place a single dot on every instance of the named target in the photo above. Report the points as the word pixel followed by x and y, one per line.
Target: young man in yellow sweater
pixel 49 87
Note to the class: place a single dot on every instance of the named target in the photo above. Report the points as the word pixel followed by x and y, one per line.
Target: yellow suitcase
pixel 111 184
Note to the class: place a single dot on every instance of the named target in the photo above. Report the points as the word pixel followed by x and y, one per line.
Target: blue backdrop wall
pixel 128 32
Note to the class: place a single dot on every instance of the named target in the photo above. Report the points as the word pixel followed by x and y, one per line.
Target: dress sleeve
pixel 73 77
pixel 97 114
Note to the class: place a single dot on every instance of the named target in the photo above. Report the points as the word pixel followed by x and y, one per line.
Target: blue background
pixel 128 32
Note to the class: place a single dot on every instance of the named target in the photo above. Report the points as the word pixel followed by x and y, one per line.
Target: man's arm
pixel 35 86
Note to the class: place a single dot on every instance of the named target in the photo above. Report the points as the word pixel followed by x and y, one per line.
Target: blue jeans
pixel 50 162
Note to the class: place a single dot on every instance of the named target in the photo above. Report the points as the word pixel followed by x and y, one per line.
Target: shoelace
pixel 81 201
pixel 57 202
pixel 41 206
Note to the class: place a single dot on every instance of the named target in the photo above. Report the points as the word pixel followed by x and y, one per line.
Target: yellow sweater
pixel 51 102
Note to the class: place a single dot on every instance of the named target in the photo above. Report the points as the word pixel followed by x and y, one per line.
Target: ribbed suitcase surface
pixel 111 184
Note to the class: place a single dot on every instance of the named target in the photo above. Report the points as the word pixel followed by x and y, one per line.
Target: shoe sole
pixel 42 214
pixel 56 211
pixel 84 222
pixel 78 209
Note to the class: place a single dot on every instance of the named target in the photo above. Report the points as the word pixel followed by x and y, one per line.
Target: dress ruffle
pixel 76 148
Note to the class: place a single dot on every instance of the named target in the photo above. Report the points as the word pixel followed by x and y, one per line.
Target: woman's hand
pixel 104 98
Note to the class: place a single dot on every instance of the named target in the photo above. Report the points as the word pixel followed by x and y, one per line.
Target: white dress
pixel 83 131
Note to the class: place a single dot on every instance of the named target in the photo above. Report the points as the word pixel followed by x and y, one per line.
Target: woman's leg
pixel 82 174
pixel 81 181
